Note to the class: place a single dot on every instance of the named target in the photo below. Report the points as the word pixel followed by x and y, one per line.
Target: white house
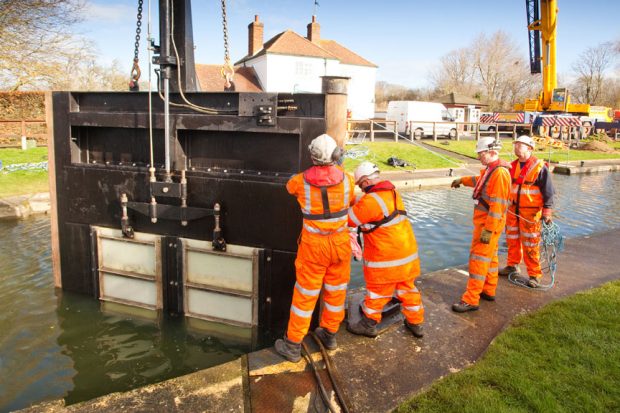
pixel 291 63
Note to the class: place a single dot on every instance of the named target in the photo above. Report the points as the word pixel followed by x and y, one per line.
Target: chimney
pixel 314 31
pixel 255 36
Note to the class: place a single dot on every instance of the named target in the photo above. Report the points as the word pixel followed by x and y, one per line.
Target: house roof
pixel 210 79
pixel 457 99
pixel 292 44
pixel 343 54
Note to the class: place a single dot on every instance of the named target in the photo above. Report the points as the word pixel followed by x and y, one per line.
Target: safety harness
pixel 478 194
pixel 327 213
pixel 386 218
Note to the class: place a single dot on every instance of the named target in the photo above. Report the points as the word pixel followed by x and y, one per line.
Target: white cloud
pixel 109 13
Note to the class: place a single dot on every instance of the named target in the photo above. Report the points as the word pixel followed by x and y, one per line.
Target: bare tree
pixel 87 74
pixel 590 69
pixel 491 69
pixel 36 43
pixel 455 72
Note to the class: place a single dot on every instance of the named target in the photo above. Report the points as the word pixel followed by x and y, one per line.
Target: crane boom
pixel 542 26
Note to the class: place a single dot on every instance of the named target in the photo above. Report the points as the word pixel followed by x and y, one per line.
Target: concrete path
pixel 376 374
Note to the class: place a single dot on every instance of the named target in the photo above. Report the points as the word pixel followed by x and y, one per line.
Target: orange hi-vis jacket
pixel 390 247
pixel 492 198
pixel 525 194
pixel 324 194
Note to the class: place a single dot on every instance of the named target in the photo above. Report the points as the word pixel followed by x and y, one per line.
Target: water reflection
pixel 121 348
pixel 56 345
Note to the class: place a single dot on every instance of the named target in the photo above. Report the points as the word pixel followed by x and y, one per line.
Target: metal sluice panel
pixel 221 286
pixel 129 270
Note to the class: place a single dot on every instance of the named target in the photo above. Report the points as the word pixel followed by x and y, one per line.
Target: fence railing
pixel 22 132
pixel 455 130
pixel 359 130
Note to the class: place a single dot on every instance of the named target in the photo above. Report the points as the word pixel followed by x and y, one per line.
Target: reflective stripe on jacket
pixel 494 197
pixel 527 194
pixel 324 194
pixel 390 249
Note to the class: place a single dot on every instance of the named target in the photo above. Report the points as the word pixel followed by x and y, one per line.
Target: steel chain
pixel 228 71
pixel 138 29
pixel 225 30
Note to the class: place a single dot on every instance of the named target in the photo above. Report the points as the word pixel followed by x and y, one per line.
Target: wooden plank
pixel 51 167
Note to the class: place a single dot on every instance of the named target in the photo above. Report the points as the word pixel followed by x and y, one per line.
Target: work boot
pixel 533 282
pixel 416 329
pixel 487 297
pixel 327 338
pixel 507 270
pixel 365 327
pixel 462 307
pixel 288 349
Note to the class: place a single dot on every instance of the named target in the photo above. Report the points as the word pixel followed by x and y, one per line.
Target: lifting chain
pixel 134 77
pixel 228 71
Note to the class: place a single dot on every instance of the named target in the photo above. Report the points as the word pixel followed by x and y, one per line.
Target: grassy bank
pixel 23 182
pixel 379 152
pixel 467 148
pixel 563 358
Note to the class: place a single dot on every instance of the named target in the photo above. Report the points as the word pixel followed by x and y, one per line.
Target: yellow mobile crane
pixel 542 22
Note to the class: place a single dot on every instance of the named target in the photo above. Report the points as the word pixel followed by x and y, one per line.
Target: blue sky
pixel 404 38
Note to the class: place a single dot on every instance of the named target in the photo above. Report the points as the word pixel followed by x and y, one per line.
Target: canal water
pixel 59 345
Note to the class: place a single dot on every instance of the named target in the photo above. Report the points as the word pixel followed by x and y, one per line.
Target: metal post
pixel 477 131
pixel 435 131
pixel 372 131
pixel 167 126
pixel 395 132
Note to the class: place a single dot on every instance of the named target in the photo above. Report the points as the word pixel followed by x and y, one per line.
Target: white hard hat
pixel 488 144
pixel 365 169
pixel 526 140
pixel 322 149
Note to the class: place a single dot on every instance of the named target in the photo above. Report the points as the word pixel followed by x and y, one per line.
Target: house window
pixel 303 69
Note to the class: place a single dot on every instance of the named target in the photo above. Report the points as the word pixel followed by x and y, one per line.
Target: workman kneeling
pixel 391 262
pixel 324 193
pixel 491 199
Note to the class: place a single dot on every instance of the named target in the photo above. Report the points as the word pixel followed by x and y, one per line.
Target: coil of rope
pixel 552 242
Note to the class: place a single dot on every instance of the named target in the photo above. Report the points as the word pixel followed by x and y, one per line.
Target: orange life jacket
pixel 524 192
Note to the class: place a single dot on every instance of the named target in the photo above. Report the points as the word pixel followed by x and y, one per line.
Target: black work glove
pixel 456 183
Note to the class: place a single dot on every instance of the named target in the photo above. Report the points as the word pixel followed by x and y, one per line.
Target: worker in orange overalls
pixel 324 193
pixel 391 262
pixel 532 199
pixel 492 197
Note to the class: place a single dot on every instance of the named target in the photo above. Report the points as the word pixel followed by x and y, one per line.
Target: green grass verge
pixel 563 358
pixel 23 182
pixel 379 152
pixel 467 148
pixel 10 156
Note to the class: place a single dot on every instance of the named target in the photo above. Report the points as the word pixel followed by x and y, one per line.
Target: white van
pixel 415 118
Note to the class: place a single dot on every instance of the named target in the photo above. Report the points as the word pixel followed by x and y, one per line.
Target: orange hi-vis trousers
pixel 523 239
pixel 323 264
pixel 483 266
pixel 378 295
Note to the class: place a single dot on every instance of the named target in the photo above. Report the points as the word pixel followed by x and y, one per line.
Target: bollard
pixel 335 89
